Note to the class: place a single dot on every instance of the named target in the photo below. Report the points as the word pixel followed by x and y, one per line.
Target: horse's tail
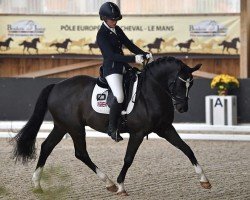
pixel 53 44
pixel 21 43
pixel 145 46
pixel 24 141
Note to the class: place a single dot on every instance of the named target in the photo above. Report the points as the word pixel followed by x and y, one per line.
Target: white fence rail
pixel 187 131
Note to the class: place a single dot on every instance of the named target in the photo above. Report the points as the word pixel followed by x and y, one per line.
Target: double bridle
pixel 187 84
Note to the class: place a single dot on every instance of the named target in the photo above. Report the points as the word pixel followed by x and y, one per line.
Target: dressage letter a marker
pixel 218 102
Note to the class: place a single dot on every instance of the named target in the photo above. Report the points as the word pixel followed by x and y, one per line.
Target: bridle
pixel 188 81
pixel 172 87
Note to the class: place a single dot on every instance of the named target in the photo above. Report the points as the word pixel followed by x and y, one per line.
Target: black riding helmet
pixel 109 10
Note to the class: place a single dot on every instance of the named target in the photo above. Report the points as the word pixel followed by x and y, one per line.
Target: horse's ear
pixel 197 67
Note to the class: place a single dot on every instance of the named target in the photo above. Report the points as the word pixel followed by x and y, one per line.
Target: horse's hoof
pixel 112 188
pixel 206 185
pixel 122 193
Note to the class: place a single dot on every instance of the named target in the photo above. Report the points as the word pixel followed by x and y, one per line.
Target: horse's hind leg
pixel 47 146
pixel 81 153
pixel 173 137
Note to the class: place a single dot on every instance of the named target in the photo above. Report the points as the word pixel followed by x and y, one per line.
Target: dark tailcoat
pixel 110 45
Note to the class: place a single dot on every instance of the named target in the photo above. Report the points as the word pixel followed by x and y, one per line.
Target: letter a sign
pixel 218 102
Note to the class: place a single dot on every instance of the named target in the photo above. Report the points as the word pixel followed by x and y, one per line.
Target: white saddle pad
pixel 100 95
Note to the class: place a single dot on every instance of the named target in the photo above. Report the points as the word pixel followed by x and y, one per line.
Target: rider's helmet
pixel 109 10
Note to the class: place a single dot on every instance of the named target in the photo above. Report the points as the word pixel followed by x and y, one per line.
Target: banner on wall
pixel 76 35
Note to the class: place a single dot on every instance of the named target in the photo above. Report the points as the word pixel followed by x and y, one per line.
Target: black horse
pixel 92 46
pixel 155 45
pixel 165 84
pixel 6 44
pixel 28 45
pixel 63 45
pixel 185 45
pixel 228 45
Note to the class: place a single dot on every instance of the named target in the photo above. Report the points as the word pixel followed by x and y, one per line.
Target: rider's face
pixel 111 23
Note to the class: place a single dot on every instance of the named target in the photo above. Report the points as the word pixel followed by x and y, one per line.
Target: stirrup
pixel 116 137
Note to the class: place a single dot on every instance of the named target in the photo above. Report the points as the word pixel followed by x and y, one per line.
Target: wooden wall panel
pixel 16 66
pixel 217 66
pixel 91 71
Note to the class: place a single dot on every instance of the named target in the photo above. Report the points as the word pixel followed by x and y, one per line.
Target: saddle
pixel 128 82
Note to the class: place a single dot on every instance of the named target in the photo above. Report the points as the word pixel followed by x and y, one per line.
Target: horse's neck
pixel 154 94
pixel 157 78
pixel 158 42
pixel 234 42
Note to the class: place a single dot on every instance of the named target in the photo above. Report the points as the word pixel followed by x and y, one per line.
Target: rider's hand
pixel 139 59
pixel 150 58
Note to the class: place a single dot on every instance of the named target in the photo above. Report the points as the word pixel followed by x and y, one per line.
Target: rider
pixel 110 39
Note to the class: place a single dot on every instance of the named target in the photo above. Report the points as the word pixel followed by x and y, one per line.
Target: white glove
pixel 150 58
pixel 139 59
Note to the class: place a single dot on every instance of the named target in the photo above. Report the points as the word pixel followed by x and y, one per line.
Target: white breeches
pixel 115 83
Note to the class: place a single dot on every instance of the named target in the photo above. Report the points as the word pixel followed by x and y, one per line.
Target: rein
pixel 142 77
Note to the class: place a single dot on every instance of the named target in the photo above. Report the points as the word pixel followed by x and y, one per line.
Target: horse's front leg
pixel 28 50
pixel 133 144
pixel 223 49
pixel 173 137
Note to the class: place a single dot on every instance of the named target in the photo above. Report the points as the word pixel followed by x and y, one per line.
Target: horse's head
pixel 175 77
pixel 236 39
pixel 180 84
pixel 36 40
pixel 161 40
pixel 68 40
pixel 190 41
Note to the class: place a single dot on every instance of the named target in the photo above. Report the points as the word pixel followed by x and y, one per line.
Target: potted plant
pixel 224 83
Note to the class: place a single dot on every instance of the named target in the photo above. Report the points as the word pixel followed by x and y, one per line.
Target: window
pixel 130 7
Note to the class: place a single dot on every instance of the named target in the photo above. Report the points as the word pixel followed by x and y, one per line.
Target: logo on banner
pixel 25 28
pixel 207 28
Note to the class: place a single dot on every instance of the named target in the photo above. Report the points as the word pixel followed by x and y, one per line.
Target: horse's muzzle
pixel 181 107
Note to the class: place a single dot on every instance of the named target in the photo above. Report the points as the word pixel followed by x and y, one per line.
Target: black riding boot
pixel 114 115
